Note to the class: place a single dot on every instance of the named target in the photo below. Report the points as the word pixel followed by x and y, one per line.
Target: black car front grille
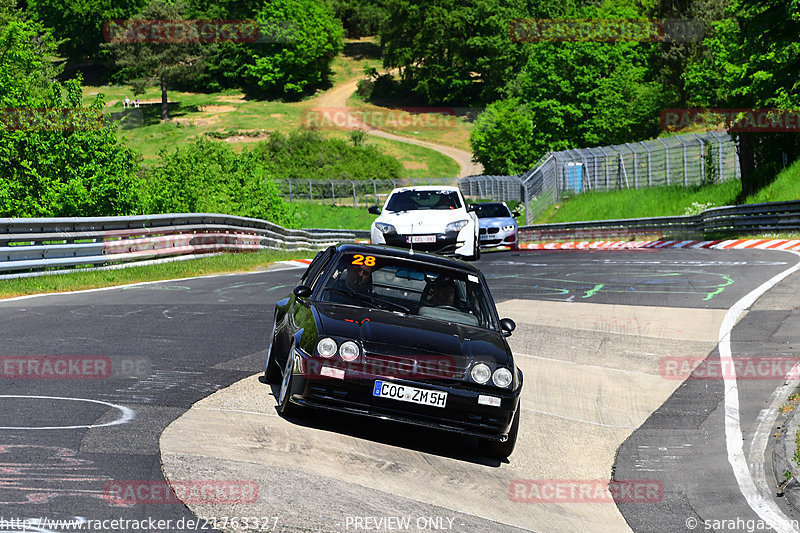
pixel 423 367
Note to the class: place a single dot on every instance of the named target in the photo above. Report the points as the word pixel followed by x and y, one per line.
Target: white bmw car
pixel 431 219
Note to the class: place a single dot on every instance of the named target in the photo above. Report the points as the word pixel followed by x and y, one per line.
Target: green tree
pixel 143 64
pixel 226 63
pixel 79 23
pixel 753 61
pixel 302 37
pixel 57 157
pixel 457 51
pixel 590 93
pixel 360 17
pixel 26 53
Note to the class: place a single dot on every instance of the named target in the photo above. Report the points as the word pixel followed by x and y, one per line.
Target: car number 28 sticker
pixel 404 393
pixel 368 260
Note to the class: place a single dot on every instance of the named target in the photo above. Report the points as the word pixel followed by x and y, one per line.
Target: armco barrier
pixel 34 244
pixel 714 222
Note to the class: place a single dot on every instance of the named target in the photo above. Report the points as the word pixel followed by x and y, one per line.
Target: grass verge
pixel 671 201
pixel 641 203
pixel 218 264
pixel 328 216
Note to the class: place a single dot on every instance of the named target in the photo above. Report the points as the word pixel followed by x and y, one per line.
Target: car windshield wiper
pixel 368 298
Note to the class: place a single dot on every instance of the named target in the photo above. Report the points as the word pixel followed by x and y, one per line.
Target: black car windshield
pixel 423 199
pixel 492 211
pixel 409 287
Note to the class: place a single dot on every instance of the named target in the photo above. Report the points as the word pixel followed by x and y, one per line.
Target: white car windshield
pixel 412 200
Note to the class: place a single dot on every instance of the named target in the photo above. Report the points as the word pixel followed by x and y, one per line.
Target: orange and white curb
pixel 732 244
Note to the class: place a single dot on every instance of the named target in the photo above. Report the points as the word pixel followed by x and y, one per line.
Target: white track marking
pixel 126 416
pixel 758 498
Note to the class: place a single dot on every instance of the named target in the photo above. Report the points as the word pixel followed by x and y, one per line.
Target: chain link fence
pixel 694 159
pixel 358 193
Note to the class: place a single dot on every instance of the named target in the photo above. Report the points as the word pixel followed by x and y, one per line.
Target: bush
pixel 502 139
pixel 308 155
pixel 208 177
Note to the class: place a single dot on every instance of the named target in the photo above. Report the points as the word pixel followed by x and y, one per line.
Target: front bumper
pixel 444 244
pixel 490 237
pixel 353 395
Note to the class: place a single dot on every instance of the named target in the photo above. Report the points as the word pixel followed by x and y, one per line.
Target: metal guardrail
pixel 742 219
pixel 39 244
pixel 36 244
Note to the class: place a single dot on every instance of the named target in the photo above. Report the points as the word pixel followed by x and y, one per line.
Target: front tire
pixel 476 251
pixel 501 450
pixel 272 372
pixel 285 406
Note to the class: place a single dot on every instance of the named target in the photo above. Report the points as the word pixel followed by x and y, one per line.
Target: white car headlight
pixel 456 226
pixel 481 373
pixel 508 228
pixel 349 351
pixel 383 227
pixel 502 377
pixel 326 347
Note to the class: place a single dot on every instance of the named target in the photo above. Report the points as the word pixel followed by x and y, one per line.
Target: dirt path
pixel 336 99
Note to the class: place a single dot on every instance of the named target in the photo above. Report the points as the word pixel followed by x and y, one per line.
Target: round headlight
pixel 349 351
pixel 481 373
pixel 326 347
pixel 508 228
pixel 502 377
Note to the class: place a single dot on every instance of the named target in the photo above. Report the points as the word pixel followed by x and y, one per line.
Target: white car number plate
pixel 422 238
pixel 404 393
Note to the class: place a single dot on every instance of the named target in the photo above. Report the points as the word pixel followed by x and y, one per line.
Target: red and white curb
pixel 731 244
pixel 299 263
pixel 736 244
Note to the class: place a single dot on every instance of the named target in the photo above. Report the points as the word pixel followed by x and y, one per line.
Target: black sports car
pixel 398 335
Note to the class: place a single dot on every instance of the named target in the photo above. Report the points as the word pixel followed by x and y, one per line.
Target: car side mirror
pixel 507 325
pixel 471 208
pixel 516 212
pixel 302 291
pixel 375 210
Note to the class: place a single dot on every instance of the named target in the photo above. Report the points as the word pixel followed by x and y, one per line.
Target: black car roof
pixel 402 253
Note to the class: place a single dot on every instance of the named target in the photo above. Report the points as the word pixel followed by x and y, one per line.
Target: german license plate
pixel 421 238
pixel 404 393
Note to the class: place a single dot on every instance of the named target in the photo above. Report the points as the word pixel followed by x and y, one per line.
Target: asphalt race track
pixel 596 330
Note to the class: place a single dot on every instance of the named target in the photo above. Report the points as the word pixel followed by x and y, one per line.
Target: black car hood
pixel 388 333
